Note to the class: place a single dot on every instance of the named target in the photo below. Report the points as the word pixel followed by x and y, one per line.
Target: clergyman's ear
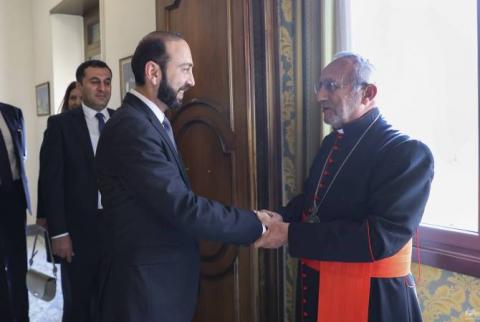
pixel 369 93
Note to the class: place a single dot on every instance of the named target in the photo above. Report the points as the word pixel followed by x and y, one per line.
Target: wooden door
pixel 215 133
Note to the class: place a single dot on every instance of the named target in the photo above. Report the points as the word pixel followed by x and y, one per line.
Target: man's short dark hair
pixel 151 48
pixel 95 63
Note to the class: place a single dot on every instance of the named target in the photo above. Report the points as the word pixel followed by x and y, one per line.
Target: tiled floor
pixel 41 311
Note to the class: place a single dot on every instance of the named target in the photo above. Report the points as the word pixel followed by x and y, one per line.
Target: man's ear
pixel 369 94
pixel 153 73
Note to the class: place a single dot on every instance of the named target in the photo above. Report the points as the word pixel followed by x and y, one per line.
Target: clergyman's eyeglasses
pixel 329 85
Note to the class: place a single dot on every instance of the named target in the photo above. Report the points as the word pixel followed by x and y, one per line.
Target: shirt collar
pixel 151 105
pixel 90 112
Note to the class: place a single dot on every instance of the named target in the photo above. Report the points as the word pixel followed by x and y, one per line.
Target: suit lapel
pixel 136 103
pixel 80 127
pixel 159 127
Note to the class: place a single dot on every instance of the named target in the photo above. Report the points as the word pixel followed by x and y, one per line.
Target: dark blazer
pixel 67 192
pixel 14 119
pixel 153 220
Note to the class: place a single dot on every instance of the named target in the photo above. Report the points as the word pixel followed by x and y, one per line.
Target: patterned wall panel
pixel 290 142
pixel 447 296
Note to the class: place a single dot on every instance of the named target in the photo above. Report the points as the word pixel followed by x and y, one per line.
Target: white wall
pixel 67 37
pixel 124 24
pixel 37 47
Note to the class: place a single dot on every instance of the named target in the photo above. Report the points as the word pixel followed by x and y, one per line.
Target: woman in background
pixel 72 98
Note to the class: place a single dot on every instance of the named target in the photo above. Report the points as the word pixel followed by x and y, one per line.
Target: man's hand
pixel 62 247
pixel 277 233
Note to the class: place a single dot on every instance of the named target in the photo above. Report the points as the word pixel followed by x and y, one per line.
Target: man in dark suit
pixel 68 187
pixel 152 218
pixel 14 200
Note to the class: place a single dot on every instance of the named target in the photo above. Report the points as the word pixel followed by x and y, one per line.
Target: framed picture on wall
pixel 42 98
pixel 127 80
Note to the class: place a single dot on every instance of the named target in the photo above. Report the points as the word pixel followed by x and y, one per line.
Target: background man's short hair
pixel 95 63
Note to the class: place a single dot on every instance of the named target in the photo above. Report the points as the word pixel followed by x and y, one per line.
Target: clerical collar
pixel 357 126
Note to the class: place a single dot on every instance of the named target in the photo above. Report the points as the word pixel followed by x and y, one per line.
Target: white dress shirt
pixel 92 123
pixel 151 105
pixel 94 132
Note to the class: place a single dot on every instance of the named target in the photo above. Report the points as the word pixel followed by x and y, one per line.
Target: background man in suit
pixel 14 200
pixel 68 186
pixel 152 217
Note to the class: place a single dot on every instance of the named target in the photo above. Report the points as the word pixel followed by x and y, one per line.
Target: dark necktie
pixel 101 122
pixel 5 170
pixel 168 128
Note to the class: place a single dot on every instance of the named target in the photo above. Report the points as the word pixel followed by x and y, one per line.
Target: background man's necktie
pixel 101 121
pixel 168 128
pixel 5 170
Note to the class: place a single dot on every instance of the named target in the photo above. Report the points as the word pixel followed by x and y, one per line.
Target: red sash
pixel 344 288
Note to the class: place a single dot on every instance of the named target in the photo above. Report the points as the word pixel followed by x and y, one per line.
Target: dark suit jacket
pixel 67 190
pixel 154 220
pixel 14 119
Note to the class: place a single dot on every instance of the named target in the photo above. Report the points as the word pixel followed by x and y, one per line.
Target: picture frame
pixel 127 79
pixel 42 98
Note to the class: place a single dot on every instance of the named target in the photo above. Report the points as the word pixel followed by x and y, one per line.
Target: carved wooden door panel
pixel 214 133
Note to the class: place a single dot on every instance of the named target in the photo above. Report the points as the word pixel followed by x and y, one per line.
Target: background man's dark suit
pixel 153 220
pixel 69 194
pixel 14 200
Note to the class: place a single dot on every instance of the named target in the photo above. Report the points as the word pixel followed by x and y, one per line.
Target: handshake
pixel 276 234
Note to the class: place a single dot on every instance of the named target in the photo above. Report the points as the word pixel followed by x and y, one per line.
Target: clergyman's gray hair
pixel 363 72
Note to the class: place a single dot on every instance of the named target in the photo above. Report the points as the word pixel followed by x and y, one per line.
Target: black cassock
pixel 367 180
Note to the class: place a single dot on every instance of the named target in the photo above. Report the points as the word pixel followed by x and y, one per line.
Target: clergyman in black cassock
pixel 362 203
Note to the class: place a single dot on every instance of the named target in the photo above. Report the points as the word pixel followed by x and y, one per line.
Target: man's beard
pixel 168 95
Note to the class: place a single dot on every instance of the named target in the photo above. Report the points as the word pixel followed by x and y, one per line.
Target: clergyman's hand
pixel 62 247
pixel 274 215
pixel 277 233
pixel 267 216
pixel 42 222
